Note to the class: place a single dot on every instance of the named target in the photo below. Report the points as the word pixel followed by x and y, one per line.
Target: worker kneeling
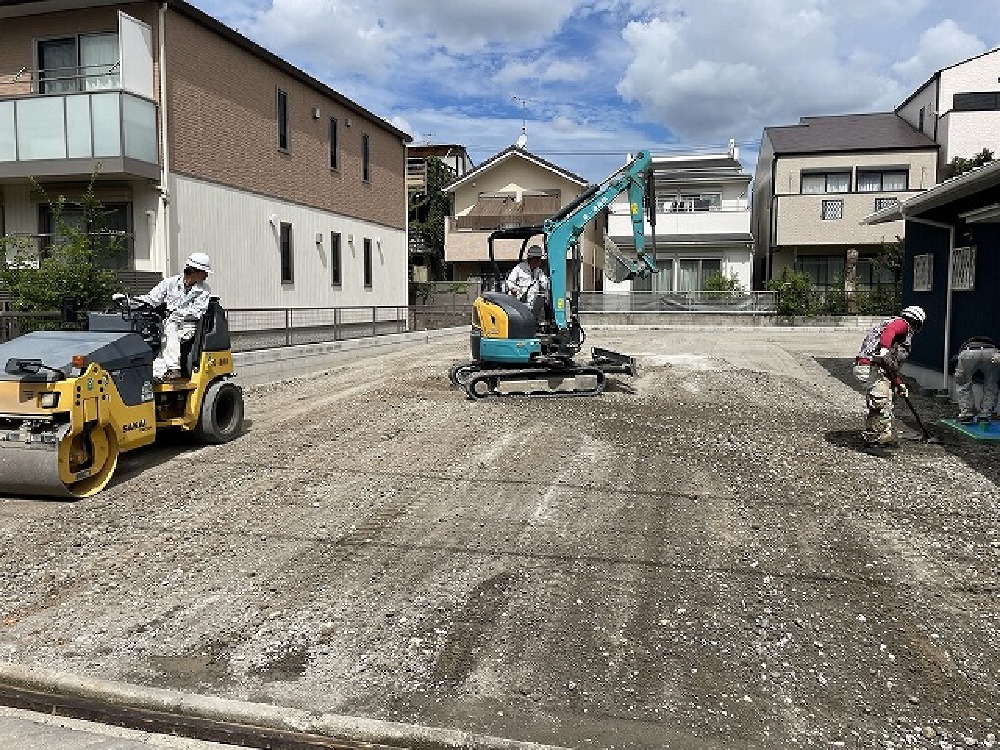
pixel 528 282
pixel 186 297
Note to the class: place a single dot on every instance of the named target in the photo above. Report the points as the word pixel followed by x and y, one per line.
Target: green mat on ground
pixel 976 430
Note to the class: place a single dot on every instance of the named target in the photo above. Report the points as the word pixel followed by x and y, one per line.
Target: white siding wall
pixel 925 98
pixel 977 74
pixel 233 227
pixel 19 212
pixel 965 134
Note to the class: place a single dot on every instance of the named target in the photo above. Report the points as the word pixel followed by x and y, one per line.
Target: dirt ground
pixel 702 557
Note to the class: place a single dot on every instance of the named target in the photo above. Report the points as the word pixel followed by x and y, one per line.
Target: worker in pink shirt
pixel 877 365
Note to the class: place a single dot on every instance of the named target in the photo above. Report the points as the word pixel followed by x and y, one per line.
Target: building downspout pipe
pixel 164 186
pixel 947 304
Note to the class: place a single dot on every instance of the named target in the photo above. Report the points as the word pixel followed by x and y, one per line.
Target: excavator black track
pixel 548 380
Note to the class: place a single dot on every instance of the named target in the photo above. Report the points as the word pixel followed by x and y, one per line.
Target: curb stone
pixel 335 726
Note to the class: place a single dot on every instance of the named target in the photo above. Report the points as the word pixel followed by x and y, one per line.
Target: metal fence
pixel 700 301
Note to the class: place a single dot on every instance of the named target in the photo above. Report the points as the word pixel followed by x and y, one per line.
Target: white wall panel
pixel 234 228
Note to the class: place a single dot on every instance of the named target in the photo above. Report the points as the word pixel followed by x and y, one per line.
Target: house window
pixel 287 249
pixel 882 181
pixel 870 274
pixel 334 147
pixel 694 202
pixel 335 275
pixel 832 210
pixel 368 263
pixel 923 272
pixel 282 113
pixel 113 239
pixel 692 272
pixel 822 270
pixel 963 269
pixel 883 203
pixel 88 62
pixel 826 182
pixel 976 101
pixel 365 158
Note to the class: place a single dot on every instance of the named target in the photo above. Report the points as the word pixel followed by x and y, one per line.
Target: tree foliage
pixel 793 293
pixel 958 165
pixel 716 281
pixel 429 211
pixel 73 266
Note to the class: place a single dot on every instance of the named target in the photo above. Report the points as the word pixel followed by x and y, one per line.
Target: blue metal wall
pixel 974 313
pixel 922 239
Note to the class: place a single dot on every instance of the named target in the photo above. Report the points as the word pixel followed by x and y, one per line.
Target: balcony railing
pixel 107 126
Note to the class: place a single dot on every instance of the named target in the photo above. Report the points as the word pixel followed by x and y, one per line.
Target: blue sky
pixel 596 79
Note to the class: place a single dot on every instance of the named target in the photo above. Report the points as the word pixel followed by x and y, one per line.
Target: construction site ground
pixel 702 557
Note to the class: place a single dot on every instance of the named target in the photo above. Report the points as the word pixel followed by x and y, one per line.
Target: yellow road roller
pixel 72 401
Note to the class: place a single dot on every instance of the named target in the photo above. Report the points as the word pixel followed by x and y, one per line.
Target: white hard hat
pixel 199 261
pixel 915 314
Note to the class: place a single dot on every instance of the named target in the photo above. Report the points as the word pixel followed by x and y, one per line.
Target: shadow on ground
pixel 982 457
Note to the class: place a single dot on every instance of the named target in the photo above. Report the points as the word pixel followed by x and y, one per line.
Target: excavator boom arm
pixel 563 231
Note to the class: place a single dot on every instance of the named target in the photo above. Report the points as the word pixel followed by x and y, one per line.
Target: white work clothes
pixel 185 307
pixel 527 284
pixel 985 358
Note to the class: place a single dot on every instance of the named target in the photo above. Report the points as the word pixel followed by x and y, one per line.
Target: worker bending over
pixel 878 363
pixel 978 354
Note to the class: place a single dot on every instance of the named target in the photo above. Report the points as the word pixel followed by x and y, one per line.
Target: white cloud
pixel 783 59
pixel 940 46
pixel 547 70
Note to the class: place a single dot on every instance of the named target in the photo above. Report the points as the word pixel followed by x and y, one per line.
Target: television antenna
pixel 522 140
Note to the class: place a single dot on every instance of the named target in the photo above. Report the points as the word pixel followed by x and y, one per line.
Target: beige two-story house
pixel 202 140
pixel 514 188
pixel 817 180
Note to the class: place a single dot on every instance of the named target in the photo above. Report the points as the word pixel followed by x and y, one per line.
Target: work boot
pixel 173 375
pixel 965 419
pixel 881 439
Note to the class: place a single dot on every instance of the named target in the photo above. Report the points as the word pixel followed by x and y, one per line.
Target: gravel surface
pixel 702 557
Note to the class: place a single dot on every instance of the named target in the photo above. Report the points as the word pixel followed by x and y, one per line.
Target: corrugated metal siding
pixel 234 228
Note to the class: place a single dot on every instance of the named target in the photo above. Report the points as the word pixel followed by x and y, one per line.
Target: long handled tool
pixel 927 437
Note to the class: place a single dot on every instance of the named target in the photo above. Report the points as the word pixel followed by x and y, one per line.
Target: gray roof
pixel 880 131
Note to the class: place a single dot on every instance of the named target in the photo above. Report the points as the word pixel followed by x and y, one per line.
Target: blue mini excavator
pixel 518 352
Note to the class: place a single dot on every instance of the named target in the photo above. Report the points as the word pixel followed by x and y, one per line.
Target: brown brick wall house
pixel 230 190
pixel 223 128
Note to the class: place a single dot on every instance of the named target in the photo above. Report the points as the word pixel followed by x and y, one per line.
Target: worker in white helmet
pixel 186 298
pixel 877 365
pixel 528 282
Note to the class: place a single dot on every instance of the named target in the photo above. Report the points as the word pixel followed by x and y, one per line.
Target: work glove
pixel 902 391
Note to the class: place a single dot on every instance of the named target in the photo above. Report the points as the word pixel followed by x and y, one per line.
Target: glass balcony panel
pixel 41 132
pixel 78 133
pixel 106 112
pixel 139 117
pixel 8 150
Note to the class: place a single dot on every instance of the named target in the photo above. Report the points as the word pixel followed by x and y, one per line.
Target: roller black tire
pixel 221 417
